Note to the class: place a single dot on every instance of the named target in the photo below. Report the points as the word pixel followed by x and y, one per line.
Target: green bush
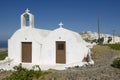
pixel 95 40
pixel 3 55
pixel 100 40
pixel 116 63
pixel 109 39
pixel 21 73
pixel 115 46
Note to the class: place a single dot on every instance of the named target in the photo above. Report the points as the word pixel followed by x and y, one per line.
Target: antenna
pixel 113 36
pixel 98 27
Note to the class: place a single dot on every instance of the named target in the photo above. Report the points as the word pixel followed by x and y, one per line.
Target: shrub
pixel 3 55
pixel 77 66
pixel 21 73
pixel 116 63
pixel 100 40
pixel 115 46
pixel 95 40
pixel 109 39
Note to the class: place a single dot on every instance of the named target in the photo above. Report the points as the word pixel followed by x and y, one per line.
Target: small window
pixel 61 46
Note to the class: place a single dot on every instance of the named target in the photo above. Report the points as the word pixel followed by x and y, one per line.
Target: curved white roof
pixel 39 34
pixel 67 33
pixel 31 33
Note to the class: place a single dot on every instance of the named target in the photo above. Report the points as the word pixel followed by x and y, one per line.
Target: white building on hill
pixel 44 47
pixel 90 36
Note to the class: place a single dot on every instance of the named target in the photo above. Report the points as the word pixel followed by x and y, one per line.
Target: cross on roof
pixel 61 24
pixel 27 10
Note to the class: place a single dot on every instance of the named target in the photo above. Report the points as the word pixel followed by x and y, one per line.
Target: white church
pixel 29 45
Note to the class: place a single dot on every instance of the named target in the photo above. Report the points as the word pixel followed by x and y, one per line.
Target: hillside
pixel 101 70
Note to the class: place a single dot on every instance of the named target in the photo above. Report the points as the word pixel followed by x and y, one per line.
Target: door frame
pixel 61 42
pixel 22 53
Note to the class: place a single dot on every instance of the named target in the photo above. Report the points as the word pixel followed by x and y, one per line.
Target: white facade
pixel 115 39
pixel 44 42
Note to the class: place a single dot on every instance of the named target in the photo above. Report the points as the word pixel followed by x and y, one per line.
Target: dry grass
pixel 98 52
pixel 103 52
pixel 4 74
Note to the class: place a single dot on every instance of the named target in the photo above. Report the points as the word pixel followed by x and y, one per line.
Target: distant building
pixel 115 39
pixel 90 36
pixel 44 47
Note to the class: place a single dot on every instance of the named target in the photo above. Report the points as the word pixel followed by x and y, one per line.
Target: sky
pixel 76 15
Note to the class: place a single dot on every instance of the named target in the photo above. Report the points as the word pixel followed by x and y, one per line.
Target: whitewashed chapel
pixel 44 47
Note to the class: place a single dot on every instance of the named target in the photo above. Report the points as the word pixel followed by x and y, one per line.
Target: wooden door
pixel 26 51
pixel 60 52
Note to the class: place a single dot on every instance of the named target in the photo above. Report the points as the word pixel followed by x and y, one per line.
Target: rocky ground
pixel 101 70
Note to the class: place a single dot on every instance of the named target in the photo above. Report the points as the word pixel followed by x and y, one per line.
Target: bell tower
pixel 27 19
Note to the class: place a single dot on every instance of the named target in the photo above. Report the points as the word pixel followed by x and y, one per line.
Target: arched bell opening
pixel 27 19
